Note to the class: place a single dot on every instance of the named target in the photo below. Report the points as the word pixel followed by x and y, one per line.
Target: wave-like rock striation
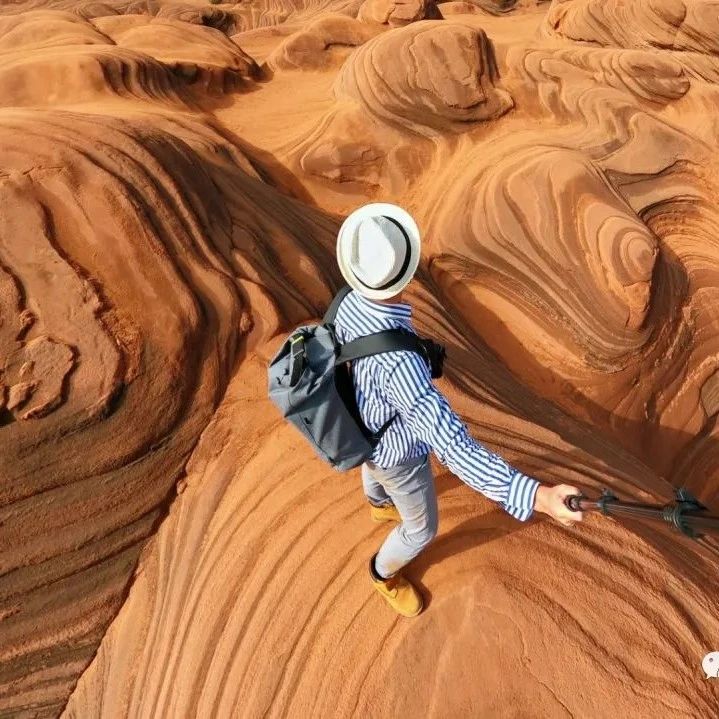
pixel 172 176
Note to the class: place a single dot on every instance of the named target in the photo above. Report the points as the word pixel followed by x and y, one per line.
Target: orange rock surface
pixel 172 177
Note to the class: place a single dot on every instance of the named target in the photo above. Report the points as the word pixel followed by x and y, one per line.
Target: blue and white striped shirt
pixel 400 383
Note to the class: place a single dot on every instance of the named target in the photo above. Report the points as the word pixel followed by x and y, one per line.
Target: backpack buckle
pixel 434 355
pixel 297 358
pixel 297 345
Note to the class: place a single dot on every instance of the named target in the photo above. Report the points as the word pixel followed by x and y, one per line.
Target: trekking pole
pixel 685 514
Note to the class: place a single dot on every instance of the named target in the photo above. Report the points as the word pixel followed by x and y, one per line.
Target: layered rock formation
pixel 172 178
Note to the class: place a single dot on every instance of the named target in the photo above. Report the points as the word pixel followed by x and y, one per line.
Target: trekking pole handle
pixel 573 502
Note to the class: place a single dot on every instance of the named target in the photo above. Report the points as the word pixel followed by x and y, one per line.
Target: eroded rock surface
pixel 172 177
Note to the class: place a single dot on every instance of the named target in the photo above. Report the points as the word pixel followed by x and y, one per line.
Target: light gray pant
pixel 410 487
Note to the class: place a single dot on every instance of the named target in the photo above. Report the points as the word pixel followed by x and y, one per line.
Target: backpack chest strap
pixel 394 341
pixel 378 343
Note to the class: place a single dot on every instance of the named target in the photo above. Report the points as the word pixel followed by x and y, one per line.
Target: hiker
pixel 378 250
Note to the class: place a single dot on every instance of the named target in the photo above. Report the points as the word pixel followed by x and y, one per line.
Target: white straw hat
pixel 378 250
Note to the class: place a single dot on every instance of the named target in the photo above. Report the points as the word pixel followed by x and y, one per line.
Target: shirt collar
pixel 399 310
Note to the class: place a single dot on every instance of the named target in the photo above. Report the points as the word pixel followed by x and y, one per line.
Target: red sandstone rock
pixel 168 211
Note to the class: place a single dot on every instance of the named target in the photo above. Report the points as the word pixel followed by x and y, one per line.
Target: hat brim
pixel 344 247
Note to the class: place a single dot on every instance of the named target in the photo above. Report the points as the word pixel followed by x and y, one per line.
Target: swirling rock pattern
pixel 397 14
pixel 228 17
pixel 196 51
pixel 310 48
pixel 76 61
pixel 150 319
pixel 241 648
pixel 665 24
pixel 610 266
pixel 441 77
pixel 169 210
pixel 427 79
pixel 124 290
pixel 82 485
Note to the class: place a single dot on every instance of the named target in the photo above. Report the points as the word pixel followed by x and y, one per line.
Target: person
pixel 378 251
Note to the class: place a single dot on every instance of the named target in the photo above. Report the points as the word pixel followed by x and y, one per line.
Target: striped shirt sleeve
pixel 427 414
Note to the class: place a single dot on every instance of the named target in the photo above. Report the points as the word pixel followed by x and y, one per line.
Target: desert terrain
pixel 172 179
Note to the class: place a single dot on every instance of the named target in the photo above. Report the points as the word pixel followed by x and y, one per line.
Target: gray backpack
pixel 311 383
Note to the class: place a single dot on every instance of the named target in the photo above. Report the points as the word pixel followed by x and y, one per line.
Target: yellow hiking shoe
pixel 384 514
pixel 400 594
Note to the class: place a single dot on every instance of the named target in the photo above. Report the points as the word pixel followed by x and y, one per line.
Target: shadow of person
pixel 477 531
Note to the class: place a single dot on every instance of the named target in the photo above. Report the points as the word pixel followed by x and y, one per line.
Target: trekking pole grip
pixel 573 502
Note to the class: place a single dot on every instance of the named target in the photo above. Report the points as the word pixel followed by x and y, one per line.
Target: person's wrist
pixel 540 498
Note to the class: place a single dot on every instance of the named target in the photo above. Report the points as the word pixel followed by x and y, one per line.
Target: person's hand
pixel 550 500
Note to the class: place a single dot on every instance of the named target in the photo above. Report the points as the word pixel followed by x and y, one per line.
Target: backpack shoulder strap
pixel 331 313
pixel 379 342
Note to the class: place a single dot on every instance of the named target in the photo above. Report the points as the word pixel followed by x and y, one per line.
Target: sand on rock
pixel 172 178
